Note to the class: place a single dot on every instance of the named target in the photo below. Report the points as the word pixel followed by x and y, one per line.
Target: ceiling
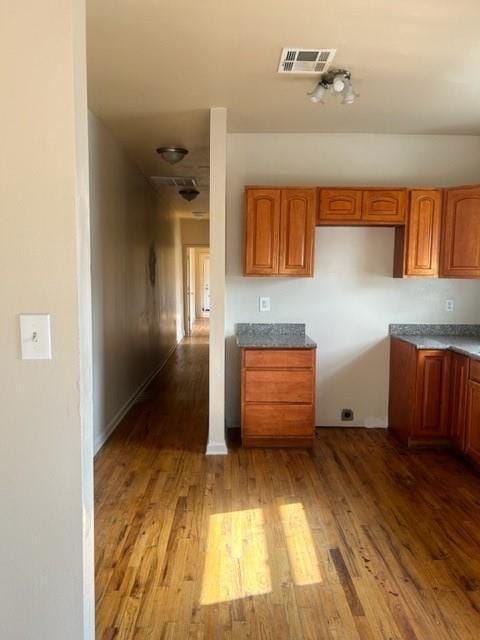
pixel 155 67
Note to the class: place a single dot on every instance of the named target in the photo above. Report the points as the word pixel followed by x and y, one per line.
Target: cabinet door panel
pixel 423 233
pixel 461 234
pixel 458 398
pixel 384 206
pixel 473 422
pixel 432 395
pixel 297 232
pixel 262 232
pixel 340 205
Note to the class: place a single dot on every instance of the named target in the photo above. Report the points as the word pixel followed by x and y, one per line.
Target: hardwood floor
pixel 356 539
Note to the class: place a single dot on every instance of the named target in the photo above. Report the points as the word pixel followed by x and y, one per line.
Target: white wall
pixel 134 323
pixel 350 302
pixel 195 231
pixel 46 531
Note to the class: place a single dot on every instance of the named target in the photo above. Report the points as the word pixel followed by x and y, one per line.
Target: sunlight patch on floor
pixel 236 563
pixel 300 546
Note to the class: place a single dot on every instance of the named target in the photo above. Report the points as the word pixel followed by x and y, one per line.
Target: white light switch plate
pixel 35 336
pixel 264 304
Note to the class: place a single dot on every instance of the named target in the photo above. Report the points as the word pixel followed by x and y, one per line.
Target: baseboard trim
pixel 216 449
pixel 121 413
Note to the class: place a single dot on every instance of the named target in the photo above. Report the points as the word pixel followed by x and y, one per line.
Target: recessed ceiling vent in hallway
pixel 174 181
pixel 306 61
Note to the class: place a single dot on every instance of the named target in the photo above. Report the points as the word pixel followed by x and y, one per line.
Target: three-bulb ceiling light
pixel 338 82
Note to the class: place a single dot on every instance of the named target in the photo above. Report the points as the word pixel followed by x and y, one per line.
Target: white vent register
pixel 306 61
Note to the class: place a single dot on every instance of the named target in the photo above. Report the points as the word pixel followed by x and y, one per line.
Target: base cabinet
pixel 459 371
pixel 419 394
pixel 278 397
pixel 435 398
pixel 472 442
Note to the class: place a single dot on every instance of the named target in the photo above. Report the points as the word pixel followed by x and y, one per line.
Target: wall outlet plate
pixel 449 305
pixel 264 304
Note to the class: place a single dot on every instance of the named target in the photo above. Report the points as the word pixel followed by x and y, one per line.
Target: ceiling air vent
pixel 308 61
pixel 174 181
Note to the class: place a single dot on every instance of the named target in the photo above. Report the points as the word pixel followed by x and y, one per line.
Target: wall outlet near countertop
pixel 263 304
pixel 449 305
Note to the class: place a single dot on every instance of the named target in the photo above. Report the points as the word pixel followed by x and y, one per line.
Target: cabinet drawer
pixel 262 385
pixel 385 206
pixel 475 370
pixel 278 358
pixel 278 420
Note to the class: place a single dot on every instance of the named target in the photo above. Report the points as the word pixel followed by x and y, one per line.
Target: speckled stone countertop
pixel 273 336
pixel 461 338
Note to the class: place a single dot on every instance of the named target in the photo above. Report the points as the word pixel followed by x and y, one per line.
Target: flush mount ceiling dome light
pixel 172 155
pixel 189 194
pixel 338 82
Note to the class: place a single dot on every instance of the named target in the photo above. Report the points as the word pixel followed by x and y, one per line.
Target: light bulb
pixel 349 95
pixel 339 83
pixel 318 93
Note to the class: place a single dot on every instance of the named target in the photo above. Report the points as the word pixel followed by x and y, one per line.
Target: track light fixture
pixel 339 83
pixel 172 155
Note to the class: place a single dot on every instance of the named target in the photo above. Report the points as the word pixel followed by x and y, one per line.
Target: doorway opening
pixel 196 290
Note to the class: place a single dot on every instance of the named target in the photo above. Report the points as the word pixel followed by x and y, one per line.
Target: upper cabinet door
pixel 384 206
pixel 423 233
pixel 340 205
pixel 461 234
pixel 297 232
pixel 262 232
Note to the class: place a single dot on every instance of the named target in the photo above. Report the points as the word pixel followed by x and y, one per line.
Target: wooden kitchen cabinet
pixel 352 206
pixel 280 232
pixel 459 373
pixel 340 205
pixel 419 394
pixel 472 441
pixel 384 206
pixel 417 244
pixel 297 232
pixel 460 253
pixel 278 397
pixel 262 232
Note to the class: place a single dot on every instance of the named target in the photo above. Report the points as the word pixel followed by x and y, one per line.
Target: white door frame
pixel 187 298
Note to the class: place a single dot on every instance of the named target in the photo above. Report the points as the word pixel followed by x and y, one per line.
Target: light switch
pixel 264 304
pixel 35 336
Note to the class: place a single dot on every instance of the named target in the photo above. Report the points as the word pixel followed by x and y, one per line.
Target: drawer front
pixel 278 420
pixel 278 386
pixel 278 358
pixel 475 370
pixel 337 205
pixel 384 206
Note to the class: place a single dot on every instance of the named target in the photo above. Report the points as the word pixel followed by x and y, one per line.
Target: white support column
pixel 218 144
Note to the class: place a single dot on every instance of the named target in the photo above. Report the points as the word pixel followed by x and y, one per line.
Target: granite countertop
pixel 273 336
pixel 461 338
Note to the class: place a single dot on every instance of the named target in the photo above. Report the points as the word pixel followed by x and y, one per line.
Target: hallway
pixel 355 540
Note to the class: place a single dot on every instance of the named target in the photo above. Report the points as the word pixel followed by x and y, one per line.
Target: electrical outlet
pixel 449 305
pixel 347 415
pixel 264 304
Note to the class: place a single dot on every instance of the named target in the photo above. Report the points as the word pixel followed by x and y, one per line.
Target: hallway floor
pixel 357 539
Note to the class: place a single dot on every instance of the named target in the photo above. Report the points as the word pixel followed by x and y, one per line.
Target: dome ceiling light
pixel 338 82
pixel 189 194
pixel 172 155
